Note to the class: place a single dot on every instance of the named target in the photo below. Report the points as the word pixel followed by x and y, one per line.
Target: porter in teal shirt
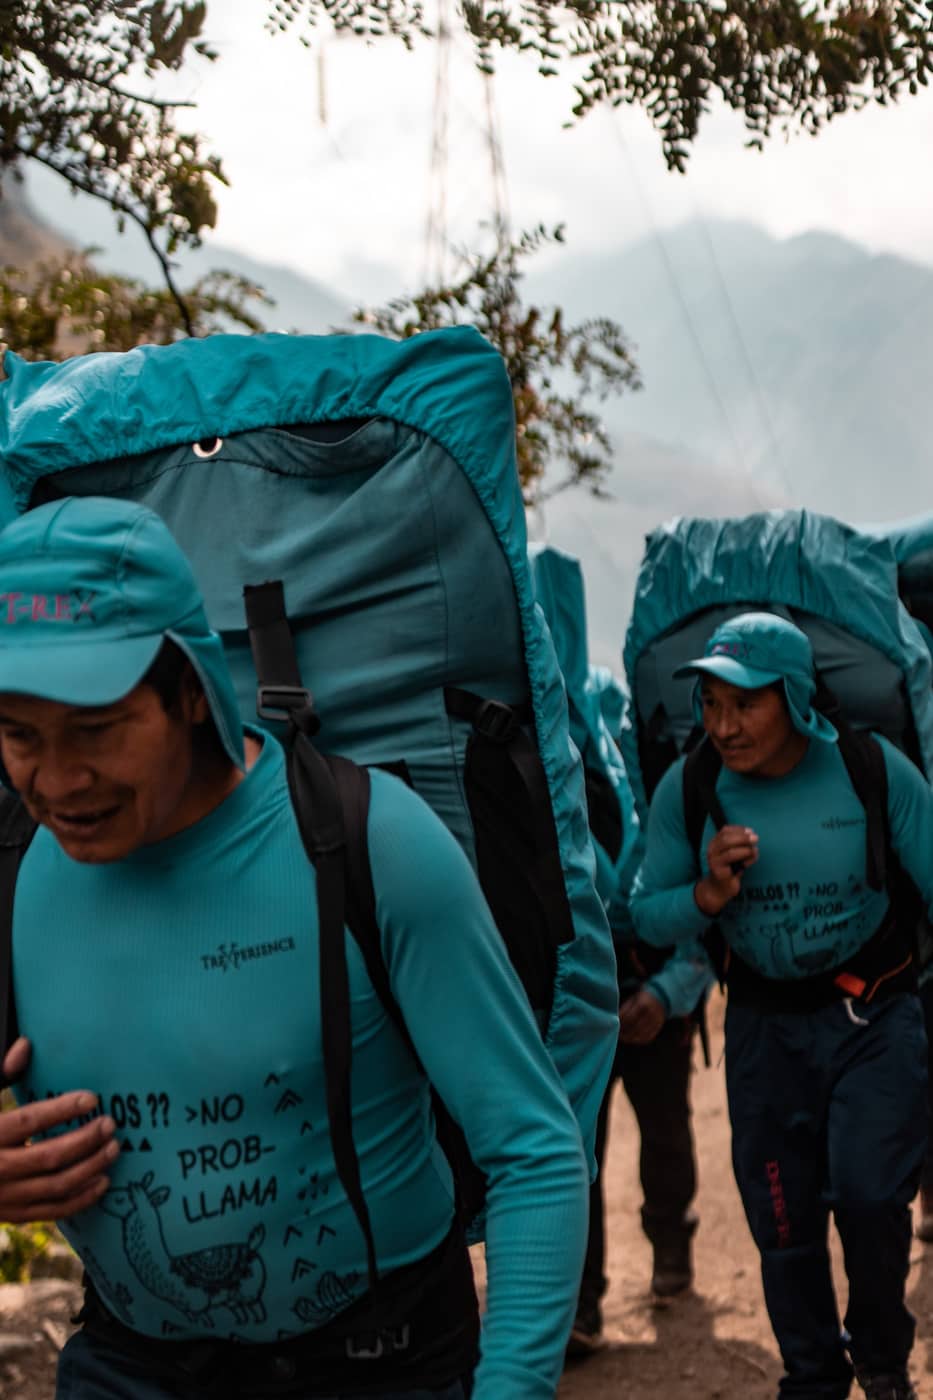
pixel 181 984
pixel 805 905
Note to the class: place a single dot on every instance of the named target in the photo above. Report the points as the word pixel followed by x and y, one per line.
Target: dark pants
pixel 830 1116
pixel 926 998
pixel 656 1078
pixel 90 1370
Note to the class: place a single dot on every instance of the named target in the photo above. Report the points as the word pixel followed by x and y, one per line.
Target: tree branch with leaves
pixel 66 307
pixel 554 369
pixel 776 62
pixel 70 72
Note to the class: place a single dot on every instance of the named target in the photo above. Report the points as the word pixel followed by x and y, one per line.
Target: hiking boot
pixel 586 1335
pixel 895 1385
pixel 673 1265
pixel 924 1230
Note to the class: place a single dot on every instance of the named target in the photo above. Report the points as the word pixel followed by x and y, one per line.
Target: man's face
pixel 105 780
pixel 750 729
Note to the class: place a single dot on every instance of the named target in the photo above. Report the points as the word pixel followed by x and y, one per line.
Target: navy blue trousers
pixel 926 999
pixel 830 1116
pixel 90 1370
pixel 656 1078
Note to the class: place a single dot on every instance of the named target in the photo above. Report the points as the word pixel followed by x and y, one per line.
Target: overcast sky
pixel 345 199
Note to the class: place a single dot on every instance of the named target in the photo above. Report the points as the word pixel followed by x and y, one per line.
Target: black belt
pixel 420 1330
pixel 883 967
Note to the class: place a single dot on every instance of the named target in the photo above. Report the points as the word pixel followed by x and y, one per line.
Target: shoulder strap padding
pixel 353 788
pixel 319 799
pixel 701 771
pixel 864 760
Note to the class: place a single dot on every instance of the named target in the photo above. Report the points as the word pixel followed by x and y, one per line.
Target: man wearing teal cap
pixel 763 840
pixel 165 957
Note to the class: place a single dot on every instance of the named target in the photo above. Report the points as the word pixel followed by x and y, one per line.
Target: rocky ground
pixel 35 1321
pixel 712 1344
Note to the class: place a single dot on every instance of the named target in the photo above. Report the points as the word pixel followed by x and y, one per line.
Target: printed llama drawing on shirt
pixel 226 1276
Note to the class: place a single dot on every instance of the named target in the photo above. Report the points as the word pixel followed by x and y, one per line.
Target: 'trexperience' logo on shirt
pixel 230 957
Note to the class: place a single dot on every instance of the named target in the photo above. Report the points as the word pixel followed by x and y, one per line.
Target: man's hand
pixel 729 854
pixel 641 1017
pixel 53 1179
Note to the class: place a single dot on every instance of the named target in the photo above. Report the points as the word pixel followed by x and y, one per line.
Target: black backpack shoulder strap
pixel 319 812
pixel 864 760
pixel 701 771
pixel 353 786
pixel 16 832
pixel 330 798
pixel 603 809
pixel 353 789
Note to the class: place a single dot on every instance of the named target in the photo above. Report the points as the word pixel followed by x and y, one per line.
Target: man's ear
pixel 196 701
pixel 201 711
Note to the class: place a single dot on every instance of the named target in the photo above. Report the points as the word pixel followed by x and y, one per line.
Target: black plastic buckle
pixel 370 1346
pixel 366 1346
pixel 495 721
pixel 199 1360
pixel 288 702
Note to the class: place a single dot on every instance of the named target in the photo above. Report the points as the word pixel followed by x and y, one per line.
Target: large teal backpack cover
pixel 595 698
pixel 839 584
pixel 912 542
pixel 910 539
pixel 189 429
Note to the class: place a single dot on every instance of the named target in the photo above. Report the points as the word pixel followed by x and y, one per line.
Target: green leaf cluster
pixel 367 19
pixel 77 94
pixel 554 368
pixel 66 307
pixel 775 61
pixel 20 1246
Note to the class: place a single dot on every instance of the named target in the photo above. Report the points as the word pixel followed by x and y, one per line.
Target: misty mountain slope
pixel 804 361
pixel 777 372
pixel 301 303
pixel 24 237
pixel 649 483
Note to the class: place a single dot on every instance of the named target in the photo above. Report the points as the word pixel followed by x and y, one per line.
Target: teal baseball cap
pixel 756 649
pixel 90 589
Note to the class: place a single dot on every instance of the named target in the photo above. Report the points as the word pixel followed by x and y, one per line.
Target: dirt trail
pixel 714 1343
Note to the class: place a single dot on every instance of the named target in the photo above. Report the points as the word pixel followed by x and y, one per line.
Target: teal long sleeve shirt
pixel 805 905
pixel 181 985
pixel 685 976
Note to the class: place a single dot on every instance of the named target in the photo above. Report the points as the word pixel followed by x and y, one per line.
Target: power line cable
pixel 684 307
pixel 435 233
pixel 757 390
pixel 453 124
pixel 500 184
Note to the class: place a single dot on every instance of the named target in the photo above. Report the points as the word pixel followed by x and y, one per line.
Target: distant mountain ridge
pixel 24 237
pixel 803 363
pixel 301 303
pixel 777 372
pixel 650 482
